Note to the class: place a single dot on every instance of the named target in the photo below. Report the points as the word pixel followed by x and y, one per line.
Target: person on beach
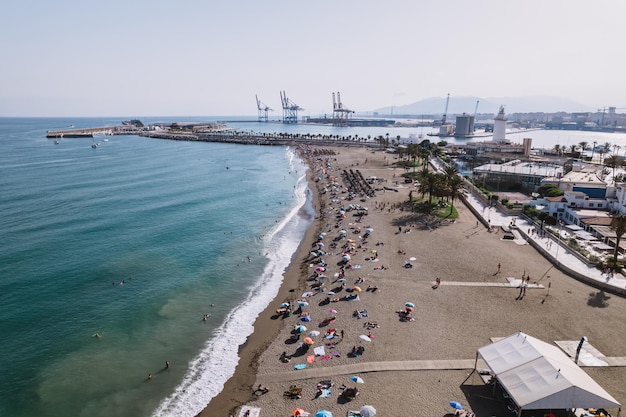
pixel 167 365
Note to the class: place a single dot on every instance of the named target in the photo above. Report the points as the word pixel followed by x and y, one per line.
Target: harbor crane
pixel 445 112
pixel 290 109
pixel 262 109
pixel 341 115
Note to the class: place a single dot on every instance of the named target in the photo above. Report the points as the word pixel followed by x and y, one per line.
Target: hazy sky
pixel 136 58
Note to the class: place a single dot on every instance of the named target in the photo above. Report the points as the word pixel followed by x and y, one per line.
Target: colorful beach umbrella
pixel 367 411
pixel 297 412
pixel 305 318
pixel 300 329
pixel 323 413
pixel 332 310
pixel 284 305
pixel 357 379
pixel 357 289
pixel 308 341
pixel 409 305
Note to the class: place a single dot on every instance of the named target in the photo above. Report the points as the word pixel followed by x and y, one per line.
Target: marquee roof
pixel 538 375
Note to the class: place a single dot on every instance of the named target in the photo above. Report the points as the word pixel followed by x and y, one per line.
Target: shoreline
pixel 238 390
pixel 468 310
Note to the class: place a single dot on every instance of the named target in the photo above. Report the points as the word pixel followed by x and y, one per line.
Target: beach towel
pixel 254 411
pixel 310 358
pixel 319 351
pixel 299 366
pixel 325 393
pixel 325 357
pixel 357 266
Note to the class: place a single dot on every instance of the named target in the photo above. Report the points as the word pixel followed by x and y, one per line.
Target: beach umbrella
pixel 303 303
pixel 314 333
pixel 305 318
pixel 300 328
pixel 357 379
pixel 323 413
pixel 367 411
pixel 369 230
pixel 332 310
pixel 409 305
pixel 357 289
pixel 343 232
pixel 341 280
pixel 346 257
pixel 284 305
pixel 320 269
pixel 320 244
pixel 456 405
pixel 308 341
pixel 365 338
pixel 412 258
pixel 297 412
pixel 320 236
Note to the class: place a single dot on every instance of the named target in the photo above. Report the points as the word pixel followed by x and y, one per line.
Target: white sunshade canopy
pixel 573 227
pixel 538 375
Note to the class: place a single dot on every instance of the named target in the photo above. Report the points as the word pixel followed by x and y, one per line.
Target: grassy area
pixel 437 210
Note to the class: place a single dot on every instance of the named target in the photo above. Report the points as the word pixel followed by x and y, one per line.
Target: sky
pixel 136 58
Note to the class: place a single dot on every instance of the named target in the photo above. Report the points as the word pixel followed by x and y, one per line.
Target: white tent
pixel 538 375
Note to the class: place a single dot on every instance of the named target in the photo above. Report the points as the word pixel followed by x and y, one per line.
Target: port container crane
pixel 445 112
pixel 290 109
pixel 262 109
pixel 341 115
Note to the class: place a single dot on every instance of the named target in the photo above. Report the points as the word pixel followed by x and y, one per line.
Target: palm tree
pixel 427 181
pixel 618 224
pixel 593 150
pixel 613 161
pixel 454 184
pixel 583 147
pixel 616 149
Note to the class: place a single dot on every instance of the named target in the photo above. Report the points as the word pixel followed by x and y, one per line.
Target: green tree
pixel 618 224
pixel 454 184
pixel 613 161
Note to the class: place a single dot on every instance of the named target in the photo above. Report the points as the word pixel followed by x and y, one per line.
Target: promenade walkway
pixel 557 252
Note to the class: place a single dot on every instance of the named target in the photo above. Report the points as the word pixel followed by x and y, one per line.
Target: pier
pixel 89 132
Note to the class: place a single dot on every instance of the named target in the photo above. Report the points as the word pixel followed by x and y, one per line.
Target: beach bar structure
pixel 539 376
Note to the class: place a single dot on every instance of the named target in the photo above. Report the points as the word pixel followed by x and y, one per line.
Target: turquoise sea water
pixel 184 225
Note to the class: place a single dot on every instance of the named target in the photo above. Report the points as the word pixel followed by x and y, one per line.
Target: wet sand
pixel 452 320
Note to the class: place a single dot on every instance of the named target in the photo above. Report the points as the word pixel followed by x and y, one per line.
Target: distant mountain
pixel 458 105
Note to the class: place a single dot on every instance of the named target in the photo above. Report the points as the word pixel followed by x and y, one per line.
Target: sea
pixel 110 259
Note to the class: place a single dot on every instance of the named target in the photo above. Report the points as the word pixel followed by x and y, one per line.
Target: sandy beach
pixel 451 321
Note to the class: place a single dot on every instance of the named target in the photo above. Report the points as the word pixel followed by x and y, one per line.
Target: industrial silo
pixel 464 125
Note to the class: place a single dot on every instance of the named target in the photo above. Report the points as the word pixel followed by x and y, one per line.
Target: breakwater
pixel 258 139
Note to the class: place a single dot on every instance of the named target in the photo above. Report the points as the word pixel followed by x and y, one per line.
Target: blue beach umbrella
pixel 306 318
pixel 300 329
pixel 456 405
pixel 409 305
pixel 357 379
pixel 323 413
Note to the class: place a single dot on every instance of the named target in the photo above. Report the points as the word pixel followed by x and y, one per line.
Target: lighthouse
pixel 499 126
